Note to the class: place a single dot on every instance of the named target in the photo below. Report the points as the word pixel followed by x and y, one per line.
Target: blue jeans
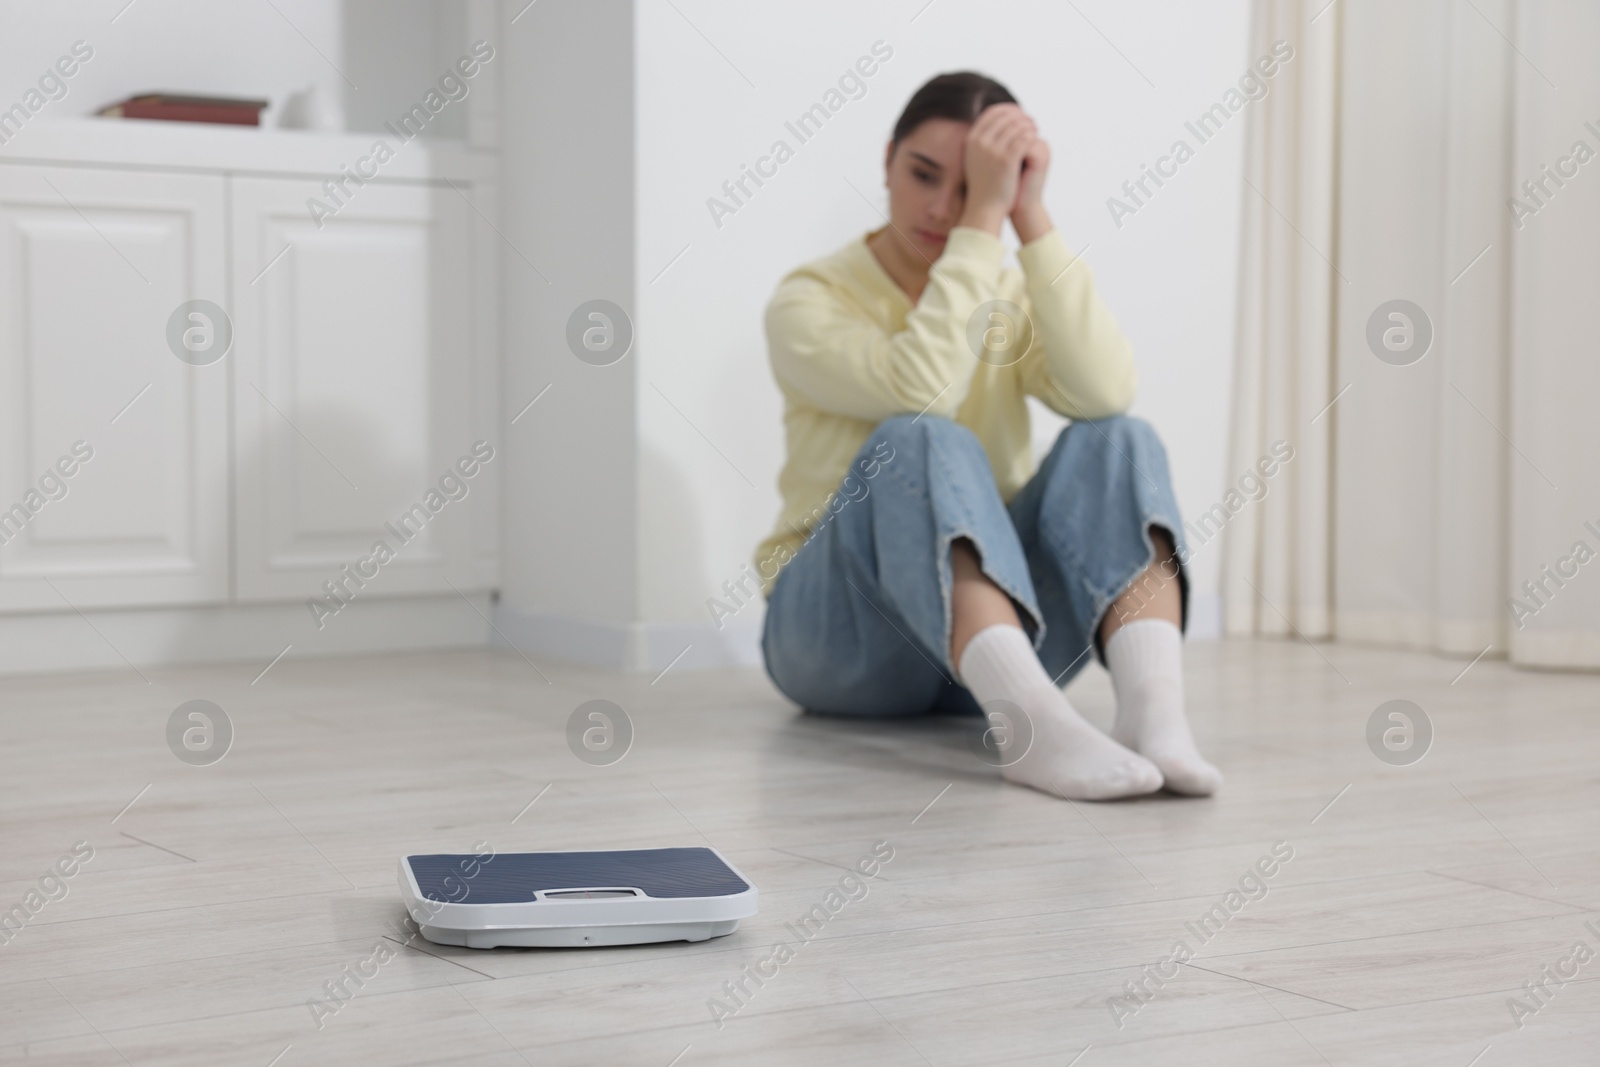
pixel 858 623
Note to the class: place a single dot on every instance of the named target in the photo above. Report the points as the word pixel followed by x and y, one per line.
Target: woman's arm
pixel 1086 370
pixel 832 354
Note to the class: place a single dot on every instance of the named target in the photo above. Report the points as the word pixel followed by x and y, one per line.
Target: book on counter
pixel 171 107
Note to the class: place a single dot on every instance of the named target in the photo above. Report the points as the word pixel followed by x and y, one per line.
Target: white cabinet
pixel 352 383
pixel 92 264
pixel 360 372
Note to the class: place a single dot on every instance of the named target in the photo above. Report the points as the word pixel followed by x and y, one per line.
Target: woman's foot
pixel 1070 758
pixel 1145 658
pixel 1054 749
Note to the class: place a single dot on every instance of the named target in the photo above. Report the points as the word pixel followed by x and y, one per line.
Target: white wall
pixel 395 51
pixel 370 58
pixel 185 46
pixel 567 179
pixel 1169 272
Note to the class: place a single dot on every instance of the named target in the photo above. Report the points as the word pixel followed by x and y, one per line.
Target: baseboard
pixel 111 639
pixel 1417 631
pixel 39 642
pixel 1556 649
pixel 702 645
pixel 635 647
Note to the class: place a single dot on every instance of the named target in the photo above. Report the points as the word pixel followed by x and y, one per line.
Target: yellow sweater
pixel 849 350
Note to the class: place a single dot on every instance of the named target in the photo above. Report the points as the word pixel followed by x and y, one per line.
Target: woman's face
pixel 926 177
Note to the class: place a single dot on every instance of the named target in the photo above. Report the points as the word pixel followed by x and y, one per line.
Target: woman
pixel 920 564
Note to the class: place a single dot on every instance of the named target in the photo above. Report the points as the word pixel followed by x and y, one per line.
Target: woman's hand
pixel 1028 215
pixel 996 146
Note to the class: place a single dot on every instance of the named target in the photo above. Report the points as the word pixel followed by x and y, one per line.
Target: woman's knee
pixel 915 444
pixel 1129 432
pixel 1116 441
pixel 917 433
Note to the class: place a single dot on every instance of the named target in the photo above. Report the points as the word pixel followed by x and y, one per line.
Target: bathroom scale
pixel 574 899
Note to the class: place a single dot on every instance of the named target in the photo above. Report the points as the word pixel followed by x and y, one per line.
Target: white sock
pixel 1145 658
pixel 1066 756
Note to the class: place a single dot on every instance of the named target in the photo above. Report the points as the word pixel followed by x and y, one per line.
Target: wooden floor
pixel 1419 899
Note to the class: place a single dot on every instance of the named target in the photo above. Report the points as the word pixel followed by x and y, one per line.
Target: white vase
pixel 312 108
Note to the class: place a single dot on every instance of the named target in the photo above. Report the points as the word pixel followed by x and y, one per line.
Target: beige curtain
pixel 1443 501
pixel 1276 563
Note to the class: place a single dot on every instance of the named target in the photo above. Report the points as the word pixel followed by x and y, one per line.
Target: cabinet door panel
pixel 352 388
pixel 93 262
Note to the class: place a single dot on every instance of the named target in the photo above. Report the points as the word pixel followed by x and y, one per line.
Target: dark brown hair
pixel 961 96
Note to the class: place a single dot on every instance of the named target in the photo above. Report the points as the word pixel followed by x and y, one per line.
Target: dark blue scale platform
pixel 514 877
